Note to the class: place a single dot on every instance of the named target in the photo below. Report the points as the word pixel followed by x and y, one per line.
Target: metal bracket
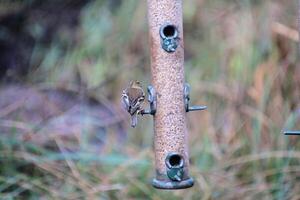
pixel 151 100
pixel 188 108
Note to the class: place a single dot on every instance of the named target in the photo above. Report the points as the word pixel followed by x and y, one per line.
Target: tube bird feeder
pixel 169 95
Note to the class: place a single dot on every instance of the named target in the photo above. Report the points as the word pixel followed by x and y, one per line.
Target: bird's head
pixel 135 84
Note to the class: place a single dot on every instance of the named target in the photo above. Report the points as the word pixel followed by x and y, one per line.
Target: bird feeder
pixel 169 95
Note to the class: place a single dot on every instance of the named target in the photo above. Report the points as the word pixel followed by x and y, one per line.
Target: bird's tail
pixel 133 120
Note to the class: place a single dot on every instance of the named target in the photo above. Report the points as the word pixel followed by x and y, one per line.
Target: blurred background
pixel 64 135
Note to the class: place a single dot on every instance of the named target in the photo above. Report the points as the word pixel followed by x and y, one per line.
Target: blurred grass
pixel 236 66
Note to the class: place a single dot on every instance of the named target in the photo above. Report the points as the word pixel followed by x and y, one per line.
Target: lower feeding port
pixel 175 174
pixel 174 163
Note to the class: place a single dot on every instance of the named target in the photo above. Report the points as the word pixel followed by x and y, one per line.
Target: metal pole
pixel 299 27
pixel 292 132
pixel 296 132
pixel 167 58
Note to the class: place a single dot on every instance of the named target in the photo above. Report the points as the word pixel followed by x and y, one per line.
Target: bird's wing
pixel 125 101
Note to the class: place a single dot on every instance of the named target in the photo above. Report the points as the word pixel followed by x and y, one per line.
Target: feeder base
pixel 172 185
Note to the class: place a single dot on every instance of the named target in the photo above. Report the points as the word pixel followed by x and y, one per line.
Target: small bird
pixel 132 99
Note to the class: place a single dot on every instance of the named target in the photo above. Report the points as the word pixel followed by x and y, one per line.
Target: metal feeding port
pixel 169 37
